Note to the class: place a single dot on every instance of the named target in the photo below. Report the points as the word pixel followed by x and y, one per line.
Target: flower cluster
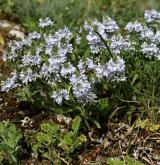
pixel 151 16
pixel 105 34
pixel 47 56
pixel 45 23
pixel 51 56
pixel 148 34
pixel 105 29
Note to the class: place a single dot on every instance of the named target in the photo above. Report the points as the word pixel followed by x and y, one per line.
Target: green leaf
pixel 87 53
pixel 9 140
pixel 50 128
pixel 44 138
pixel 13 136
pixel 47 155
pixel 76 124
pixel 68 138
pixel 35 148
pixel 134 79
pixel 25 94
pixel 8 152
pixel 82 138
pixel 96 123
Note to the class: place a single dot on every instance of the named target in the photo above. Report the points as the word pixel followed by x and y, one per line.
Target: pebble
pixel 14 29
pixel 5 24
pixel 17 33
pixel 17 27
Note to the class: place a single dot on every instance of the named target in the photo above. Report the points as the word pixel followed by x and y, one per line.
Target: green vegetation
pixel 73 12
pixel 9 139
pixel 101 96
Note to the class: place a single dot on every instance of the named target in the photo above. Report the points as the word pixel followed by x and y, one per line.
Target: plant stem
pixel 104 43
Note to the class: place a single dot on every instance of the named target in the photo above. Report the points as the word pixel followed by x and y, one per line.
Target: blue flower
pixel 59 95
pixel 45 22
pixel 152 15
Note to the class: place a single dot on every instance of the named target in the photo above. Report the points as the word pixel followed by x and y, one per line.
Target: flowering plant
pixel 61 67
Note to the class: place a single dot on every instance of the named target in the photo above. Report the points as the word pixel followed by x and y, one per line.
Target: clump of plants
pixel 68 68
pixel 54 68
pixel 87 73
pixel 56 144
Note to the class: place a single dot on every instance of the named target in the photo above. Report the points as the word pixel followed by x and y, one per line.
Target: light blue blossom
pixel 118 43
pixel 110 25
pixel 55 41
pixel 13 53
pixel 82 88
pixel 54 65
pixel 149 49
pixel 27 76
pixel 26 60
pixel 88 27
pixel 67 70
pixel 45 22
pixel 147 33
pixel 10 83
pixel 64 50
pixel 95 42
pixel 44 72
pixel 78 40
pixel 110 69
pixel 151 16
pixel 51 40
pixel 31 37
pixel 30 60
pixel 63 34
pixel 81 66
pixel 101 28
pixel 134 27
pixel 90 64
pixel 115 67
pixel 59 95
pixel 99 69
pixel 34 35
pixel 104 29
pixel 36 60
pixel 48 50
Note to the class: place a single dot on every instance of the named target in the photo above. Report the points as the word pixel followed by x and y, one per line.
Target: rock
pixel 17 27
pixel 17 33
pixel 12 29
pixel 5 24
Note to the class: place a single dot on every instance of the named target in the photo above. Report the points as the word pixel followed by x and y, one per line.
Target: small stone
pixel 17 33
pixel 5 24
pixel 17 27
